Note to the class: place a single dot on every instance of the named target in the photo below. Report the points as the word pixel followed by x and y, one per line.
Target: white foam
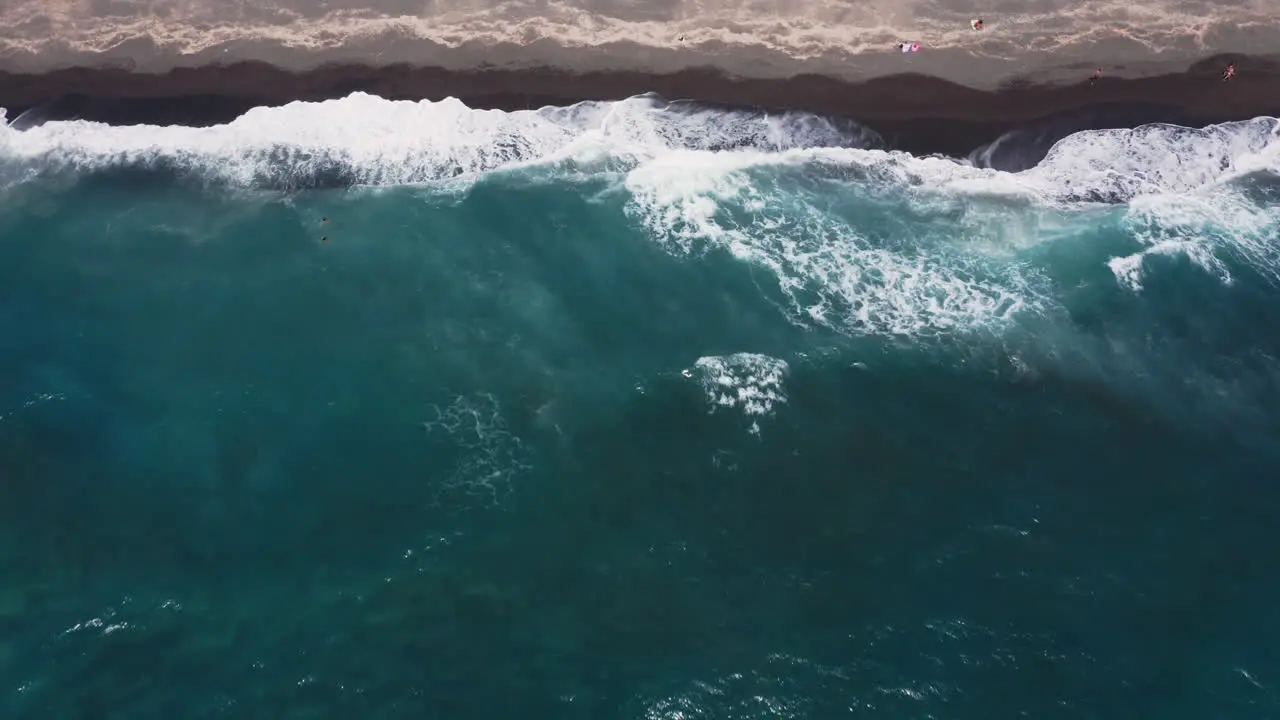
pixel 677 33
pixel 829 272
pixel 364 139
pixel 747 382
pixel 1119 165
pixel 31 402
pixel 1128 270
pixel 1203 227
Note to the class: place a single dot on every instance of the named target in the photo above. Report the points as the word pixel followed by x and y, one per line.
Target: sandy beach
pixel 199 61
pixel 844 39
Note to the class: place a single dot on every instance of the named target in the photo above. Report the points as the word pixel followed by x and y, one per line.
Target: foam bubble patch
pixel 747 382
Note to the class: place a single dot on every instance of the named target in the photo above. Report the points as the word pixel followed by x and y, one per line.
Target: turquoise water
pixel 623 412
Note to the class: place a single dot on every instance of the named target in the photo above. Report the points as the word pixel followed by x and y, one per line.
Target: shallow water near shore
pixel 628 410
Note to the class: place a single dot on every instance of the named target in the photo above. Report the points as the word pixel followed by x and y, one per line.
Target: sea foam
pixel 364 139
pixel 748 382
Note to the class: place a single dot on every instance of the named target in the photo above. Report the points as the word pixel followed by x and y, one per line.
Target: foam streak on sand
pixel 44 33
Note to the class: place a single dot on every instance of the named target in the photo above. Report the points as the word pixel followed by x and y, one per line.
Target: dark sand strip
pixel 917 113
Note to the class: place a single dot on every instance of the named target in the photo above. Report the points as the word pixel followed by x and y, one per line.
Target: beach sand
pixel 200 61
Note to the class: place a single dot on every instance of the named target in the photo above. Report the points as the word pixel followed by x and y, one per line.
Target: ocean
pixel 372 409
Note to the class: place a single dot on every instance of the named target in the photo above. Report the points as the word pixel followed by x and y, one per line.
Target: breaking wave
pixel 858 238
pixel 364 139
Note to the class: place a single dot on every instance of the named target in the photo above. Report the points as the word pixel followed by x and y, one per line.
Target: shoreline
pixel 917 113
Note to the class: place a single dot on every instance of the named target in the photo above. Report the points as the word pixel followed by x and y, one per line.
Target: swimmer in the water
pixel 976 23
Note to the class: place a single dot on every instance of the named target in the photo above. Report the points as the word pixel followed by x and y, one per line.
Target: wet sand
pixel 204 61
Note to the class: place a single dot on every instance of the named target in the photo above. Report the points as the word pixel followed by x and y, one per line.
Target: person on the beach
pixel 909 47
pixel 1229 73
pixel 1096 74
pixel 976 23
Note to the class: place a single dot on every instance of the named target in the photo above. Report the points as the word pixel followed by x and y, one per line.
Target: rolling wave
pixel 364 139
pixel 861 239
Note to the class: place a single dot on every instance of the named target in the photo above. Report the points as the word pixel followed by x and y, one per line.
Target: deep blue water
pixel 615 412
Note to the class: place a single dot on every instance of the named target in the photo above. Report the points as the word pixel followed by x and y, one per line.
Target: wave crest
pixel 366 140
pixel 1119 165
